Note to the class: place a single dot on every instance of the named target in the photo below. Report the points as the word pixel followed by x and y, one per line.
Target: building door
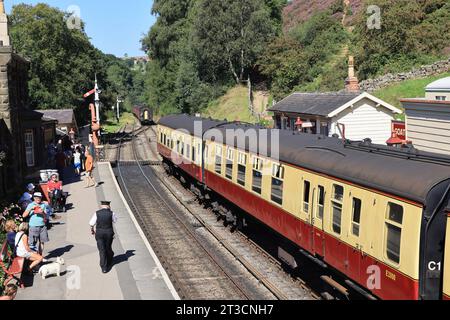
pixel 29 148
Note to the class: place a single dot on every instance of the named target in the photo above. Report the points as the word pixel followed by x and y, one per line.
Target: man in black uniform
pixel 102 227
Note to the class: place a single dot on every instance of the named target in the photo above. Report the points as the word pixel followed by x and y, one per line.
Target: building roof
pixel 62 116
pixel 324 104
pixel 424 101
pixel 439 85
pixel 377 167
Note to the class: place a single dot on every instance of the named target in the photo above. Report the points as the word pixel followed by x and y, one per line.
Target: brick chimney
pixel 352 82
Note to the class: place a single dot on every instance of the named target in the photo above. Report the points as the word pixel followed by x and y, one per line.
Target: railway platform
pixel 137 273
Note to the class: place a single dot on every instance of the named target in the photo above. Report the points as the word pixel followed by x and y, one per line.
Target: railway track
pixel 197 268
pixel 255 259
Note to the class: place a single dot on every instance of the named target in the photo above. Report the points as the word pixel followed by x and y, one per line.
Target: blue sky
pixel 114 26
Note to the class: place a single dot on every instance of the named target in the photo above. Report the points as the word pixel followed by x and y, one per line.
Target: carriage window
pixel 277 184
pixel 182 148
pixel 356 216
pixel 230 161
pixel 165 140
pixel 257 175
pixel 188 151
pixel 320 202
pixel 219 159
pixel 336 205
pixel 193 154
pixel 242 168
pixel 306 193
pixel 178 146
pixel 394 231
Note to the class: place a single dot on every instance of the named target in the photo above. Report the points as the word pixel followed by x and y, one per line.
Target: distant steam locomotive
pixel 143 114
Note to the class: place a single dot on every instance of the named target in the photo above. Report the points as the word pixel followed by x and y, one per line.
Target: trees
pixel 231 35
pixel 63 61
pixel 412 32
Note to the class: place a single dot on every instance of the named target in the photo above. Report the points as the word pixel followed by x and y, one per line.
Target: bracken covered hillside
pixel 298 11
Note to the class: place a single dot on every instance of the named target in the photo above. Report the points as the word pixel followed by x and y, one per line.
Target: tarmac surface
pixel 137 273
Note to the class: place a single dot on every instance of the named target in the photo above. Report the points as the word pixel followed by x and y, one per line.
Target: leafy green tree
pixel 231 35
pixel 412 33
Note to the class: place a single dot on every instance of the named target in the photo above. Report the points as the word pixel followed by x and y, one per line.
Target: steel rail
pixel 247 264
pixel 173 213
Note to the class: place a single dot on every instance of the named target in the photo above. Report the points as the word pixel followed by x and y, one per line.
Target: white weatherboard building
pixel 428 119
pixel 354 116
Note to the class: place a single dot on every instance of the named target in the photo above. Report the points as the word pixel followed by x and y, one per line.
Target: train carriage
pixel 360 209
pixel 446 294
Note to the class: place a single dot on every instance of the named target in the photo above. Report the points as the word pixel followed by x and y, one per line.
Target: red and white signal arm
pixel 399 129
pixel 89 93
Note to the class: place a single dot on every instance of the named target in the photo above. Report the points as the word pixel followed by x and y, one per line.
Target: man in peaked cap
pixel 102 228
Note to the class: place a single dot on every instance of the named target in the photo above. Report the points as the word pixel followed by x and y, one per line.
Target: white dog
pixel 52 268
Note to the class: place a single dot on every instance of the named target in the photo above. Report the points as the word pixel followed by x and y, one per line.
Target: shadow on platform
pixel 123 257
pixel 59 252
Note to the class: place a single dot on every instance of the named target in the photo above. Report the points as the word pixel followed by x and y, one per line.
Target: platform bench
pixel 12 266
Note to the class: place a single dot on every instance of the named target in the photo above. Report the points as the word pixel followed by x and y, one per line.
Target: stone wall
pixel 439 67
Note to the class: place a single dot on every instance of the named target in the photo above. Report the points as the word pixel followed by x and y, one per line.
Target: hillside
pixel 233 106
pixel 299 11
pixel 407 89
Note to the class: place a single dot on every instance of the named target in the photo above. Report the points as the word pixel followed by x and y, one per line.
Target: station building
pixel 350 115
pixel 22 130
pixel 428 118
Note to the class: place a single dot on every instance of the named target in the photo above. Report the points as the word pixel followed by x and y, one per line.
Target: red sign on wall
pixel 399 129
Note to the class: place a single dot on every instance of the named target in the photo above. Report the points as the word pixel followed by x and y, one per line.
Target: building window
pixel 230 161
pixel 441 98
pixel 306 193
pixel 356 216
pixel 242 168
pixel 277 184
pixel 336 204
pixel 394 223
pixel 320 202
pixel 219 159
pixel 29 148
pixel 257 175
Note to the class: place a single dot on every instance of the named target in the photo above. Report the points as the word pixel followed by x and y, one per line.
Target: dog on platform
pixel 51 268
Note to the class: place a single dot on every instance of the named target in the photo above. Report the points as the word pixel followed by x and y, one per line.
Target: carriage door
pixel 318 237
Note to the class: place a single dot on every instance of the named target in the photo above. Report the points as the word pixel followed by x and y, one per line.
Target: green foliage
pixel 199 47
pixel 230 36
pixel 64 62
pixel 412 33
pixel 407 89
pixel 305 59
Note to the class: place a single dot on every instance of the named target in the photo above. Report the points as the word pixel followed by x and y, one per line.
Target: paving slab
pixel 137 273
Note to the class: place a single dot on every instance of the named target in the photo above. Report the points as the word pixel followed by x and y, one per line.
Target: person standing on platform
pixel 77 161
pixel 102 228
pixel 38 223
pixel 90 170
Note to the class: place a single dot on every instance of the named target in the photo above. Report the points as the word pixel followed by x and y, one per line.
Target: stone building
pixel 21 129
